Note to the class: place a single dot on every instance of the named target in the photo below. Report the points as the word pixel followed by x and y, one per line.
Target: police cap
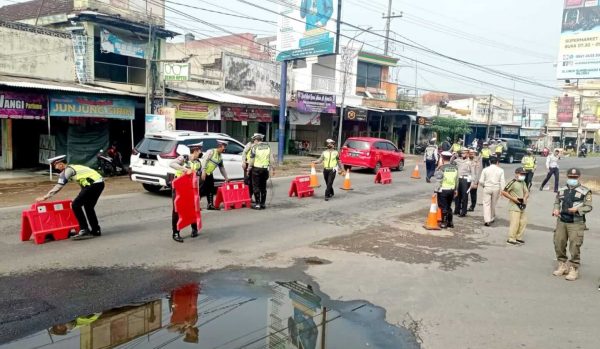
pixel 60 158
pixel 446 154
pixel 520 170
pixel 222 142
pixel 196 145
pixel 258 136
pixel 573 172
pixel 330 141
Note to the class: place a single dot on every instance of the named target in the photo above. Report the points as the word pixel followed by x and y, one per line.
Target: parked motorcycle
pixel 582 151
pixel 107 166
pixel 420 148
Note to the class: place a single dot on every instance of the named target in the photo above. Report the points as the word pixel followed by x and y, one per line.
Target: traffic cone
pixel 347 185
pixel 314 181
pixel 415 173
pixel 432 217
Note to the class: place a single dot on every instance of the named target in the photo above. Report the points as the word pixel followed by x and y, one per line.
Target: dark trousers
pixel 473 195
pixel 207 188
pixel 329 176
pixel 528 178
pixel 87 199
pixel 461 201
pixel 445 198
pixel 485 162
pixel 551 172
pixel 430 166
pixel 248 182
pixel 259 181
pixel 175 217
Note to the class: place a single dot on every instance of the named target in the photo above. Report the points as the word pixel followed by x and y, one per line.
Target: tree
pixel 449 127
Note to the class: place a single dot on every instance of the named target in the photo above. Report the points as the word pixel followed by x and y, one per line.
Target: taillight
pixel 170 155
pixel 367 154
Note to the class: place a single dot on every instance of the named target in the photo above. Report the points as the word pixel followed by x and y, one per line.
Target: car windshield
pixel 358 145
pixel 156 145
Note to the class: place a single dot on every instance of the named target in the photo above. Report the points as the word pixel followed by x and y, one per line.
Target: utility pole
pixel 489 118
pixel 149 56
pixel 523 113
pixel 579 116
pixel 388 25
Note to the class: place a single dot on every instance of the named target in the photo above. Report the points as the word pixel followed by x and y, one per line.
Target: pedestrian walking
pixel 476 162
pixel 431 159
pixel 486 153
pixel 492 181
pixel 529 163
pixel 92 185
pixel 553 169
pixel 245 159
pixel 261 166
pixel 186 163
pixel 517 193
pixel 446 192
pixel 572 203
pixel 212 160
pixel 330 158
pixel 466 174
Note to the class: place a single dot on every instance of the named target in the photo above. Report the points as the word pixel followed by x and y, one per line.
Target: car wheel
pixel 400 165
pixel 511 159
pixel 377 167
pixel 152 188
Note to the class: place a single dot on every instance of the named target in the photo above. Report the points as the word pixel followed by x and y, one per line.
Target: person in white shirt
pixel 492 181
pixel 552 167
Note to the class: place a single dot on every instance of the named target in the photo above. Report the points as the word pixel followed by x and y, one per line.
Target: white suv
pixel 151 158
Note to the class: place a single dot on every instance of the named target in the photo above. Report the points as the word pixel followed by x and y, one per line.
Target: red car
pixel 372 153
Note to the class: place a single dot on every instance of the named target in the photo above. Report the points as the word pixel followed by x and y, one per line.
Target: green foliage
pixel 448 127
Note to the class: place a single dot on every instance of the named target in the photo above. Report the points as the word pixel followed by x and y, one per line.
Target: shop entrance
pixel 26 142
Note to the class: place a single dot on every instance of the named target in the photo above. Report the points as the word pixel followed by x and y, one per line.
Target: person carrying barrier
pixel 211 160
pixel 260 167
pixel 448 176
pixel 431 158
pixel 187 163
pixel 92 185
pixel 330 159
pixel 529 164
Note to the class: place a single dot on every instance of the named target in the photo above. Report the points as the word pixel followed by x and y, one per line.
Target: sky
pixel 519 37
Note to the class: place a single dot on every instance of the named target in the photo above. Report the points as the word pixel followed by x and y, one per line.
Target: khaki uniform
pixel 570 226
pixel 518 217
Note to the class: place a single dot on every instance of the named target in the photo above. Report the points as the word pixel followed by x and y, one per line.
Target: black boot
pixel 257 202
pixel 97 232
pixel 450 223
pixel 177 237
pixel 211 205
pixel 194 233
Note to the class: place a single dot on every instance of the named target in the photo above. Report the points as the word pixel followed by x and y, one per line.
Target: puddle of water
pixel 278 315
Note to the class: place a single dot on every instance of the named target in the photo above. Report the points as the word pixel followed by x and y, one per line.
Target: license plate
pixel 353 155
pixel 149 162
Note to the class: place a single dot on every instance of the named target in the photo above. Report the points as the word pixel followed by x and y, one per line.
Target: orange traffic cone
pixel 314 181
pixel 347 185
pixel 415 173
pixel 432 217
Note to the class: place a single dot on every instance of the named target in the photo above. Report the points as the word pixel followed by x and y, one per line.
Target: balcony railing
pixel 119 73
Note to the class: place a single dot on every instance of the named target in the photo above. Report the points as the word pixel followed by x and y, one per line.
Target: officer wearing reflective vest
pixel 447 174
pixel 457 146
pixel 187 163
pixel 212 160
pixel 256 138
pixel 529 164
pixel 260 165
pixel 498 149
pixel 330 159
pixel 92 185
pixel 486 153
pixel 572 203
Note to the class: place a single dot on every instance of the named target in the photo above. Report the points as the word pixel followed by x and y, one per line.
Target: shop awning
pixel 19 82
pixel 222 97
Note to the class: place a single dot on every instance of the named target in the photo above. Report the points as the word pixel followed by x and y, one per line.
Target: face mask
pixel 471 157
pixel 521 178
pixel 572 182
pixel 330 146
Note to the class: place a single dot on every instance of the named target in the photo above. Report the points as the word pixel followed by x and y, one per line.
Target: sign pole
pixel 282 112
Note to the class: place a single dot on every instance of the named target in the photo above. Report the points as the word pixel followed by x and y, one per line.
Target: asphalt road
pixel 459 288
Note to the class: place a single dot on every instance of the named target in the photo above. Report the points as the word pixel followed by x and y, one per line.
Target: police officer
pixel 457 146
pixel 212 160
pixel 572 203
pixel 256 138
pixel 446 145
pixel 485 155
pixel 331 165
pixel 529 163
pixel 498 149
pixel 92 185
pixel 448 176
pixel 466 176
pixel 476 163
pixel 260 165
pixel 431 159
pixel 187 163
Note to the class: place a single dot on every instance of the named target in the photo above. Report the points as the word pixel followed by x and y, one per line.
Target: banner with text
pixel 196 110
pixel 98 107
pixel 355 114
pixel 17 105
pixel 112 43
pixel 309 102
pixel 246 114
pixel 579 52
pixel 566 105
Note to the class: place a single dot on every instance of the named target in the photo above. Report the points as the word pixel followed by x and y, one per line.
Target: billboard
pixel 249 77
pixel 566 105
pixel 307 28
pixel 309 102
pixel 579 53
pixel 18 105
pixel 112 43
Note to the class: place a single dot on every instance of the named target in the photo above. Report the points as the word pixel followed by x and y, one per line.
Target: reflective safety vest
pixel 85 176
pixel 499 148
pixel 262 155
pixel 192 165
pixel 249 152
pixel 450 177
pixel 485 153
pixel 214 162
pixel 330 159
pixel 456 147
pixel 528 162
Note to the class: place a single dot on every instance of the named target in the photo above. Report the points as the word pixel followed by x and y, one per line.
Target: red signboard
pixel 246 114
pixel 566 105
pixel 17 105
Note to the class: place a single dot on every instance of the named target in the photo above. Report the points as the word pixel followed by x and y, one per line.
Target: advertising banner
pixel 112 43
pixel 307 28
pixel 246 114
pixel 579 52
pixel 590 112
pixel 196 110
pixel 309 102
pixel 169 114
pixel 97 107
pixel 298 118
pixel 355 114
pixel 176 71
pixel 249 77
pixel 566 105
pixel 155 123
pixel 17 105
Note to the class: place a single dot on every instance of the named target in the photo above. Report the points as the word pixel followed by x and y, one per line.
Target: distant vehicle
pixel 513 150
pixel 151 158
pixel 372 153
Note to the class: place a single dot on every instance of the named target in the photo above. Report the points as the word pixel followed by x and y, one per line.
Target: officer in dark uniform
pixel 572 202
pixel 448 176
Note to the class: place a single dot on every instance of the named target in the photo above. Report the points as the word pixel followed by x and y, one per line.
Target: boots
pixel 573 274
pixel 561 270
pixel 444 222
pixel 211 205
pixel 177 237
pixel 257 201
pixel 194 233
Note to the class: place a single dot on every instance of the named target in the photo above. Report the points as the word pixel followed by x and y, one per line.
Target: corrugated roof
pixel 29 9
pixel 58 86
pixel 223 97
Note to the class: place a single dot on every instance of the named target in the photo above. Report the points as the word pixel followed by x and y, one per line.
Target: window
pixel 358 145
pixel 155 145
pixel 368 75
pixel 234 149
pixel 391 147
pixel 381 146
pixel 118 68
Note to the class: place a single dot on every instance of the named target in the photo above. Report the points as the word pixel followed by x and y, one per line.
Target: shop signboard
pixel 510 130
pixel 17 105
pixel 530 133
pixel 176 71
pixel 246 114
pixel 298 118
pixel 307 28
pixel 97 107
pixel 111 43
pixel 196 110
pixel 169 114
pixel 566 105
pixel 309 102
pixel 355 114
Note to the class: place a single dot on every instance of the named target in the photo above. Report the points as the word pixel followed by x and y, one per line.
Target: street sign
pixel 176 71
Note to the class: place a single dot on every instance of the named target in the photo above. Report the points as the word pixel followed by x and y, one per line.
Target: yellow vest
pixel 499 148
pixel 330 160
pixel 214 162
pixel 262 155
pixel 485 153
pixel 450 177
pixel 528 162
pixel 456 147
pixel 84 175
pixel 192 165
